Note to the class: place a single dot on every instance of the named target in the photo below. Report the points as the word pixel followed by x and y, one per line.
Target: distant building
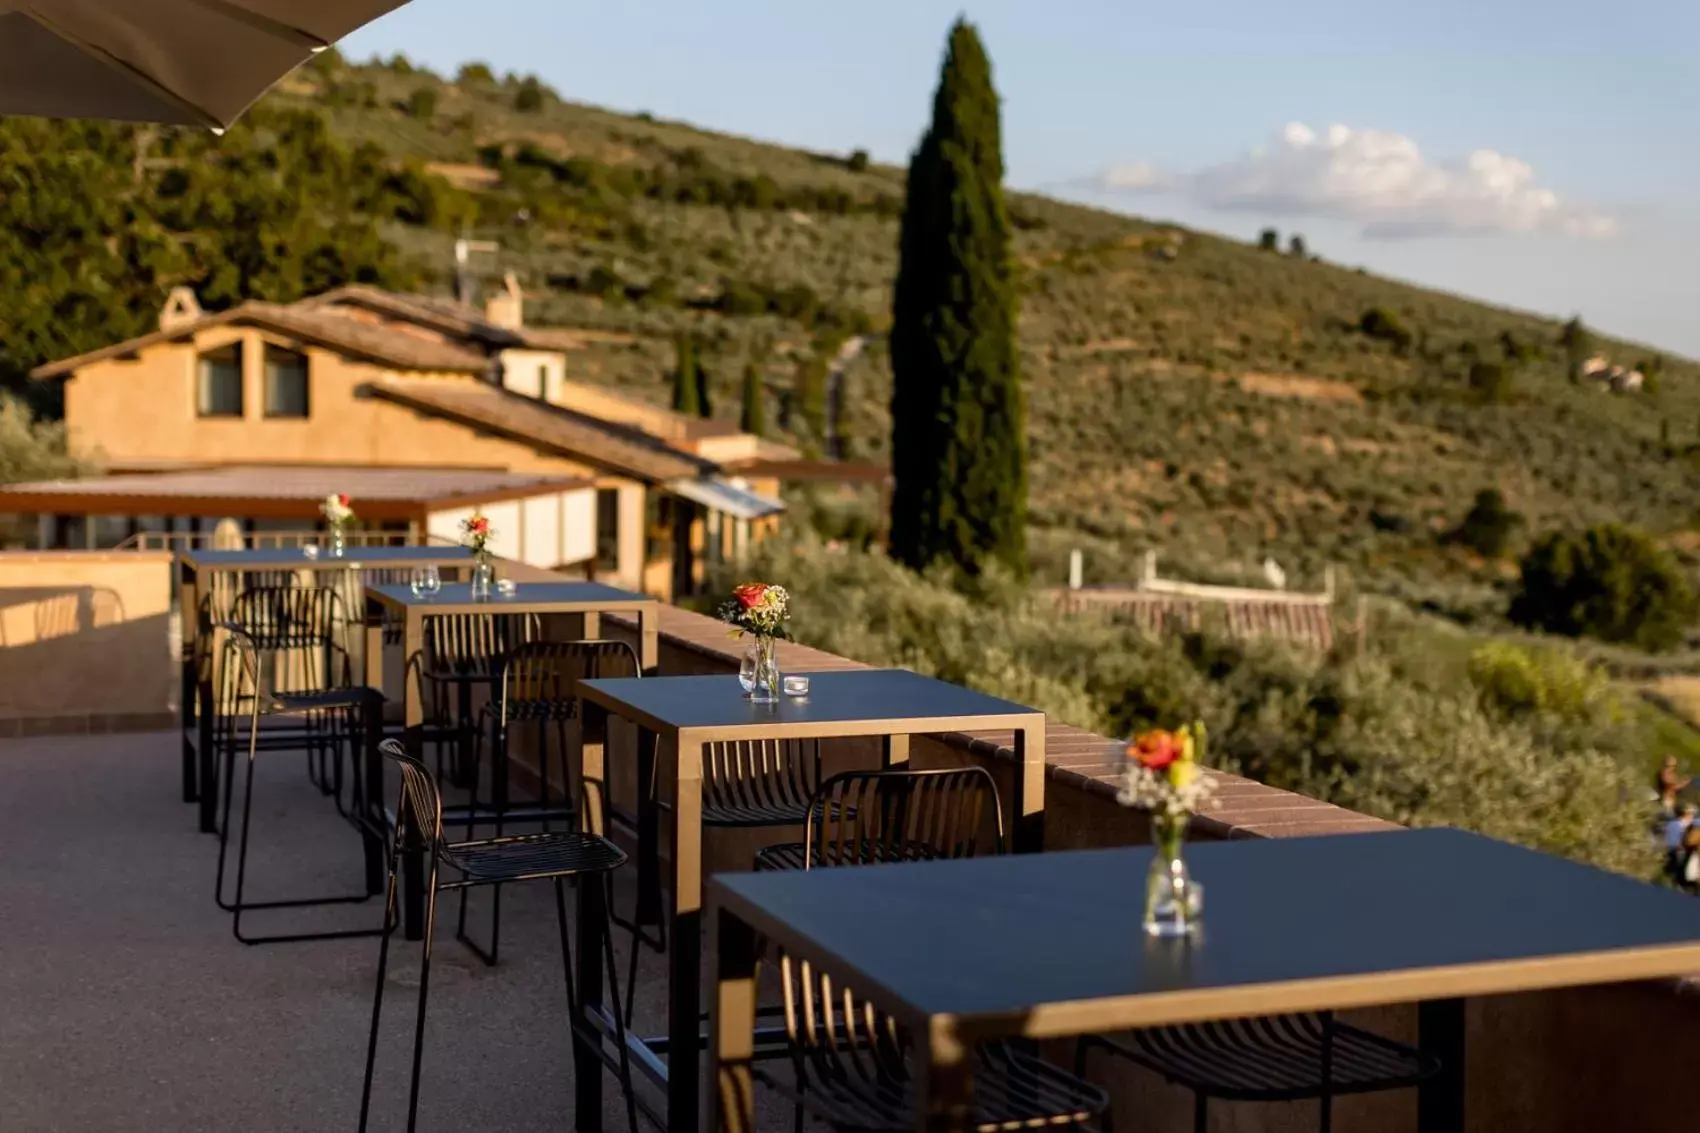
pixel 364 380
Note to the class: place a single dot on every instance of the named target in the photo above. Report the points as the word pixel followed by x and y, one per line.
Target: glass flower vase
pixel 765 687
pixel 1173 900
pixel 339 541
pixel 483 577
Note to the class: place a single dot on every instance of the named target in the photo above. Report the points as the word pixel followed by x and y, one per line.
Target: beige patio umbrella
pixel 180 62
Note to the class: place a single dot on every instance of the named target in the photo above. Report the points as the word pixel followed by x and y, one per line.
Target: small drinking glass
pixel 747 670
pixel 427 580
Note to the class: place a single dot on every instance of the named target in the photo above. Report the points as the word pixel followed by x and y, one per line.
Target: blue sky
pixel 1585 200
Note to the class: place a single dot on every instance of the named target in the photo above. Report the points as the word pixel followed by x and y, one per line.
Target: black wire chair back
pixel 539 680
pixel 419 800
pixel 299 631
pixel 861 817
pixel 473 645
pixel 758 782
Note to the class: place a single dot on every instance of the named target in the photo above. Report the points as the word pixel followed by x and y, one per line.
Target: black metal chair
pixel 857 1066
pixel 551 856
pixel 854 1069
pixel 460 654
pixel 1271 1058
pixel 299 633
pixel 245 698
pixel 537 684
pixel 746 784
pixel 863 817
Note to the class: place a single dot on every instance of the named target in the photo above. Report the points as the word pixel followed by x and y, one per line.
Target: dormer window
pixel 286 383
pixel 218 382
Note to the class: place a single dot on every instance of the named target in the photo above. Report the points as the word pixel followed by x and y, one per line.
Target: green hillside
pixel 1186 392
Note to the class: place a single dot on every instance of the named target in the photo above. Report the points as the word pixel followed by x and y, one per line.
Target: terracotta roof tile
pixel 617 447
pixel 364 340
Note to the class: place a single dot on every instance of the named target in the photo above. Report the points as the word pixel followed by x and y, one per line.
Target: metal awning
pixel 729 497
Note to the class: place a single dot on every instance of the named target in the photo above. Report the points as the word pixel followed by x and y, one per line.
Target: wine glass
pixel 747 670
pixel 426 580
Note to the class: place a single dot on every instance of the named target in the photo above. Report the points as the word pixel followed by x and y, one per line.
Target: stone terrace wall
pixel 85 642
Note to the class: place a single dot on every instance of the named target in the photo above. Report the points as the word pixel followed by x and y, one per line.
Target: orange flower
pixel 750 594
pixel 478 525
pixel 1157 749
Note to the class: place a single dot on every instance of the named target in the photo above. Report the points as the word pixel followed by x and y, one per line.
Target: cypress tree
pixel 687 386
pixel 753 417
pixel 958 445
pixel 809 394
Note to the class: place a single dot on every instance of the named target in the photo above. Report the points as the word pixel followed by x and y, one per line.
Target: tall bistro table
pixel 199 577
pixel 1050 946
pixel 680 715
pixel 585 601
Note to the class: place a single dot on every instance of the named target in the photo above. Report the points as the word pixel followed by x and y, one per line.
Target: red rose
pixel 342 499
pixel 479 526
pixel 750 594
pixel 1155 750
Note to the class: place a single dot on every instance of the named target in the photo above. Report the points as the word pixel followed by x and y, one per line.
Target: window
pixel 607 530
pixel 543 381
pixel 218 390
pixel 286 383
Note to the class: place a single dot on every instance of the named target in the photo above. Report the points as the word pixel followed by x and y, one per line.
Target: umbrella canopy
pixel 179 62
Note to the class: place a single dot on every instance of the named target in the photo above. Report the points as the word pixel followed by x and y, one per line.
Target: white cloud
pixel 1375 178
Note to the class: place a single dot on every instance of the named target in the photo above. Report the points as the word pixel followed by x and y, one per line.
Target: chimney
pixel 181 308
pixel 506 310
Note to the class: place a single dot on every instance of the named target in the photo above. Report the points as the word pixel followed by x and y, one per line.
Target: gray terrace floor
pixel 126 1004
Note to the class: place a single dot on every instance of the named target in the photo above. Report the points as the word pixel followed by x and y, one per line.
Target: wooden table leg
pixel 684 953
pixel 649 638
pixel 1029 802
pixel 945 1083
pixel 732 1030
pixel 1440 1033
pixel 894 752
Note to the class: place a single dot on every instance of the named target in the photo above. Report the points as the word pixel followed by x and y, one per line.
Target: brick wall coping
pixel 1244 808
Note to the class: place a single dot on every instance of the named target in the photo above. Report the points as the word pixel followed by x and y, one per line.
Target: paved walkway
pixel 126 1005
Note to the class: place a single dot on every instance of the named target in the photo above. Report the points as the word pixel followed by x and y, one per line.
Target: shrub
pixel 422 103
pixel 1269 240
pixel 1380 323
pixel 475 74
pixel 1611 582
pixel 31 449
pixel 1517 681
pixel 528 99
pixel 1491 381
pixel 1488 526
pixel 858 161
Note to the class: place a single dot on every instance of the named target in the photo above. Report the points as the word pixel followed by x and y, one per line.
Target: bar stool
pixel 298 633
pixel 460 654
pixel 245 695
pixel 863 817
pixel 866 818
pixel 551 856
pixel 854 1069
pixel 1271 1058
pixel 537 683
pixel 746 785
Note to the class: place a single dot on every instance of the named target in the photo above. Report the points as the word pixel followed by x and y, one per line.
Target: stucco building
pixel 360 379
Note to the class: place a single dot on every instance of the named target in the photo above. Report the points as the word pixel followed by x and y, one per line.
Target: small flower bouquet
pixel 475 532
pixel 761 610
pixel 338 515
pixel 475 535
pixel 1163 776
